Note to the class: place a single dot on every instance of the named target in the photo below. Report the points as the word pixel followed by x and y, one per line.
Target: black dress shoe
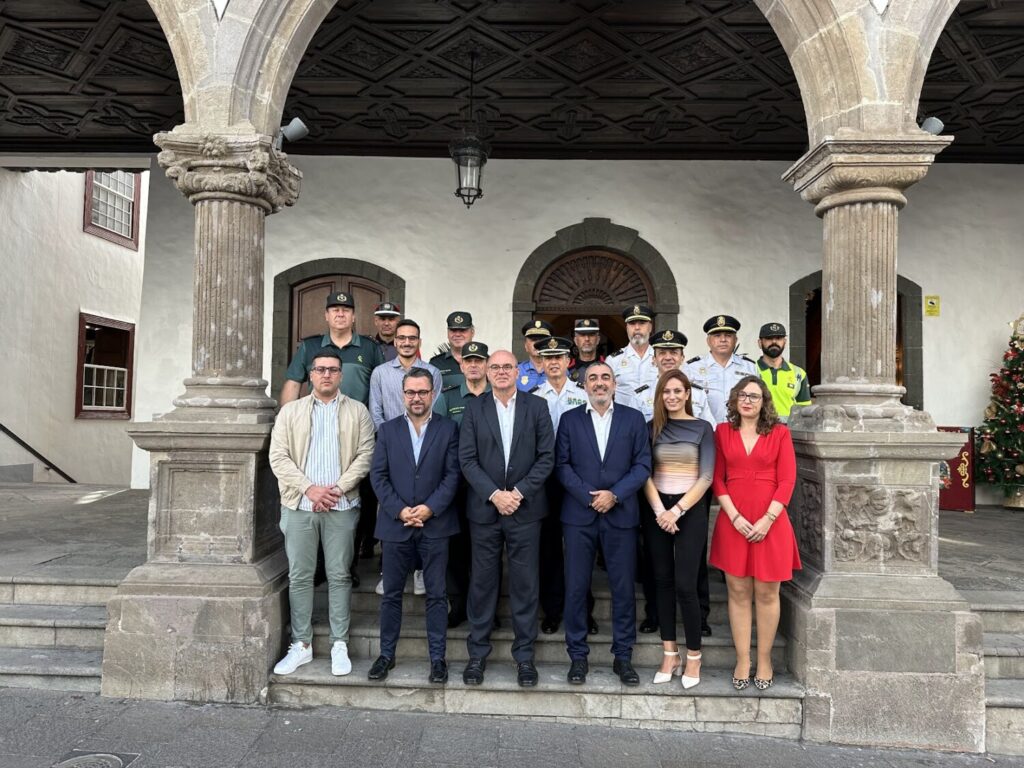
pixel 379 668
pixel 578 671
pixel 439 671
pixel 624 669
pixel 527 674
pixel 455 617
pixel 705 629
pixel 648 626
pixel 473 674
pixel 591 625
pixel 549 626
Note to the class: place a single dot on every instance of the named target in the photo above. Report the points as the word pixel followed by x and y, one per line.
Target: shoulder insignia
pixel 693 359
pixel 696 386
pixel 638 390
pixel 744 357
pixel 450 387
pixel 533 391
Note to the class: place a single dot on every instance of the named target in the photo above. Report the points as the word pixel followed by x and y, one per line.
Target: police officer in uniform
pixel 456 397
pixel 531 370
pixel 586 335
pixel 669 352
pixel 460 333
pixel 561 394
pixel 787 382
pixel 635 373
pixel 385 320
pixel 719 370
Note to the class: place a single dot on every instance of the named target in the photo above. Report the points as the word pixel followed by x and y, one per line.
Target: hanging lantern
pixel 469 152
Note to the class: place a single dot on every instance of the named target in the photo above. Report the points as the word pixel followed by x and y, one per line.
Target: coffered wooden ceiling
pixel 555 78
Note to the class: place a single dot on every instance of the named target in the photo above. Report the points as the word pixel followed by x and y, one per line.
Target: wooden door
pixel 310 297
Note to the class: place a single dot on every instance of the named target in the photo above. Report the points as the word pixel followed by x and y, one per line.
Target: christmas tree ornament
pixel 1000 439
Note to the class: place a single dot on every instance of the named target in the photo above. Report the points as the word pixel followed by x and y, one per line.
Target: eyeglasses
pixel 413 394
pixel 407 338
pixel 506 368
pixel 323 370
pixel 751 396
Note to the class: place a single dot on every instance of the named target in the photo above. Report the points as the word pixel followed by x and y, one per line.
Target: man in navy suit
pixel 506 449
pixel 603 457
pixel 415 474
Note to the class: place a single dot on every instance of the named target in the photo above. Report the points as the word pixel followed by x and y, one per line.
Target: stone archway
pixel 638 266
pixel 283 282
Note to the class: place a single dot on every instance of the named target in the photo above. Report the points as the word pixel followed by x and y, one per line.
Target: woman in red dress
pixel 753 542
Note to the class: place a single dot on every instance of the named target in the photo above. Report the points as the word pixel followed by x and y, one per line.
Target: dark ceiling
pixel 649 79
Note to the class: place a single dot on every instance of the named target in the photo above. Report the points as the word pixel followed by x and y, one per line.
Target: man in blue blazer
pixel 603 458
pixel 506 449
pixel 415 474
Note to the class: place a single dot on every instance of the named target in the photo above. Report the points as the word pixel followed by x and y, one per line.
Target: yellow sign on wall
pixel 932 306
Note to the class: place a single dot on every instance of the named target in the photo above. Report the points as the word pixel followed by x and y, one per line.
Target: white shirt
pixel 417 437
pixel 506 421
pixel 718 380
pixel 635 375
pixel 602 426
pixel 571 396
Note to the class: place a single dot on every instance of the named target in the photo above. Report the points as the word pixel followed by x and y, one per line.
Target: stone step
pixel 55 669
pixel 364 643
pixel 712 706
pixel 1004 717
pixel 1004 656
pixel 31 590
pixel 1000 611
pixel 65 626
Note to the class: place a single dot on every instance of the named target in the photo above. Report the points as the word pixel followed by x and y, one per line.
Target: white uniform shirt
pixel 637 376
pixel 571 396
pixel 717 380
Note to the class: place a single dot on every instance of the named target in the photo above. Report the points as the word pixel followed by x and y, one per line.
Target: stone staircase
pixel 51 632
pixel 1002 617
pixel 713 706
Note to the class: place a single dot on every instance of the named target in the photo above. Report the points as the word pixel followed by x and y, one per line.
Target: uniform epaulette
pixel 693 359
pixel 310 338
pixel 449 388
pixel 696 386
pixel 532 391
pixel 638 390
pixel 749 360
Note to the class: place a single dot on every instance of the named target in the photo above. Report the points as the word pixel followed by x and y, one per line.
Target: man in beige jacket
pixel 320 449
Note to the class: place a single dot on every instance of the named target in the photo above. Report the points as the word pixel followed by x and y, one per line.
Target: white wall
pixel 52 270
pixel 734 235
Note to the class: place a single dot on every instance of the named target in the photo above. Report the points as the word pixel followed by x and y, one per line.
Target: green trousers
pixel 303 532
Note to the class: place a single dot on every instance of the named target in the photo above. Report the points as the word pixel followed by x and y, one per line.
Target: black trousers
pixel 675 561
pixel 402 557
pixel 459 554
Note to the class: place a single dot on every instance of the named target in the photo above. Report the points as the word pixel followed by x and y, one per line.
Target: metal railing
pixel 45 461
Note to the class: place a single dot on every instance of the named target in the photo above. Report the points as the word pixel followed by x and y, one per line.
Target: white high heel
pixel 690 682
pixel 665 677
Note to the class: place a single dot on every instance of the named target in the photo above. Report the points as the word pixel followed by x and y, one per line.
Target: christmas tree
pixel 1001 437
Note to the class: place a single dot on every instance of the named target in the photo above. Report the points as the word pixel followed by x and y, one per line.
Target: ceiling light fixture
pixel 469 152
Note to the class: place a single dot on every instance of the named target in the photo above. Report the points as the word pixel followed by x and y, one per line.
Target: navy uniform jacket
pixel 625 469
pixel 400 482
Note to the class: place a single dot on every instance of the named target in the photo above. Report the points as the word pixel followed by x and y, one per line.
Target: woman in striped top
pixel 684 464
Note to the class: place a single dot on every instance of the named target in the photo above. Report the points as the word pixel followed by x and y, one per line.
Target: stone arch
pixel 235 70
pixel 283 282
pixel 911 329
pixel 604 235
pixel 860 64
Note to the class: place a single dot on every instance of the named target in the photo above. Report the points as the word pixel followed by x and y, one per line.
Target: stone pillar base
pixel 890 654
pixel 205 633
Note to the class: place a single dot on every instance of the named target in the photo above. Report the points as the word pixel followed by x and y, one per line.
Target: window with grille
pixel 104 382
pixel 112 206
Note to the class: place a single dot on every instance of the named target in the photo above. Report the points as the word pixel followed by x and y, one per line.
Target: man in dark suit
pixel 415 474
pixel 506 449
pixel 603 458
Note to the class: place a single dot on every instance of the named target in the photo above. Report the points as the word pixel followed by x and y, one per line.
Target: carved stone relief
pixel 805 513
pixel 879 524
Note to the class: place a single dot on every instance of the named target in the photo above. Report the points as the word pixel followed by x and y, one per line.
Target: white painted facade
pixel 52 270
pixel 735 236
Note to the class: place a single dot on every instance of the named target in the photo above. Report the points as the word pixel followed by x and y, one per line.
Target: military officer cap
pixel 475 349
pixel 586 325
pixel 668 340
pixel 556 345
pixel 720 323
pixel 536 328
pixel 638 312
pixel 340 299
pixel 387 309
pixel 771 330
pixel 460 320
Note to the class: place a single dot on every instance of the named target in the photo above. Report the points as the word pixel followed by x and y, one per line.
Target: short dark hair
pixel 418 373
pixel 409 322
pixel 326 352
pixel 598 364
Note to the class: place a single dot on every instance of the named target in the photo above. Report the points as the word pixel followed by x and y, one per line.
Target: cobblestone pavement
pixel 40 729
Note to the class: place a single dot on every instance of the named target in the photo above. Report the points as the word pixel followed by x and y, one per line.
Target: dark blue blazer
pixel 531 458
pixel 400 482
pixel 625 469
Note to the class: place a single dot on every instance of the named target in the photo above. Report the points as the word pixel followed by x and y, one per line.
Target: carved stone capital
pixel 861 170
pixel 247 168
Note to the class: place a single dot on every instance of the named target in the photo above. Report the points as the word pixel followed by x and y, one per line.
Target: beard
pixel 773 351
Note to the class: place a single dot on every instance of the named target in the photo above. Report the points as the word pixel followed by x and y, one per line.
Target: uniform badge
pixel 472 347
pixel 791 385
pixel 636 309
pixel 720 321
pixel 668 335
pixel 359 358
pixel 341 297
pixel 553 344
pixel 703 371
pixel 775 327
pixel 524 380
pixel 458 318
pixel 536 324
pixel 624 364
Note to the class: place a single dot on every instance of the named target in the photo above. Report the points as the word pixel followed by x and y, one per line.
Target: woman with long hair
pixel 753 541
pixel 684 456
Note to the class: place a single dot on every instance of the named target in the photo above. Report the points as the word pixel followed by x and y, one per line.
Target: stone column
pixel 889 652
pixel 201 620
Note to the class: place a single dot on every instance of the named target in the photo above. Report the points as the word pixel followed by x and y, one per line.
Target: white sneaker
pixel 379 589
pixel 298 654
pixel 340 662
pixel 418 587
